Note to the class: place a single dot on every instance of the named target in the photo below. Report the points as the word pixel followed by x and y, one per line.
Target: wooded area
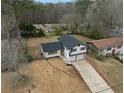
pixel 99 17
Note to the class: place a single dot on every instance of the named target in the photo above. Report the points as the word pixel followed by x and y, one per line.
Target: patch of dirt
pixel 46 79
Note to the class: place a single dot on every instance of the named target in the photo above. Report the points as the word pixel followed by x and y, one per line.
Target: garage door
pixel 80 56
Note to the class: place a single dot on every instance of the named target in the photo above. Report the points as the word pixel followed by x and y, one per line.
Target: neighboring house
pixel 38 26
pixel 121 54
pixel 49 27
pixel 44 27
pixel 106 46
pixel 66 46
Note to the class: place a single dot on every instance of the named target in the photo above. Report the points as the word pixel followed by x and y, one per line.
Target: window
pixel 108 49
pixel 73 50
pixel 82 48
pixel 53 52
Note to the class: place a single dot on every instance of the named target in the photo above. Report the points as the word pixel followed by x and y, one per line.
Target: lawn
pixel 111 70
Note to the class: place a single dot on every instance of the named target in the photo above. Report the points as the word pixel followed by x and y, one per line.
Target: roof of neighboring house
pixel 107 43
pixel 50 47
pixel 69 41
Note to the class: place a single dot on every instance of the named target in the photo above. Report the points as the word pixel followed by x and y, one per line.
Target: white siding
pixel 105 51
pixel 80 56
pixel 72 58
pixel 75 57
pixel 66 54
pixel 78 50
pixel 120 50
pixel 42 51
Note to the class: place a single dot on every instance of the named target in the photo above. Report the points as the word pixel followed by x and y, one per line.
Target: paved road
pixel 93 80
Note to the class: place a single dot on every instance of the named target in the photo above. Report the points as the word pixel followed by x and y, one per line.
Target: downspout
pixel 76 58
pixel 70 51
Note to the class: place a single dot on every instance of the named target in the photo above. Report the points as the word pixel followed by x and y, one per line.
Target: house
pixel 38 26
pixel 49 27
pixel 106 46
pixel 66 46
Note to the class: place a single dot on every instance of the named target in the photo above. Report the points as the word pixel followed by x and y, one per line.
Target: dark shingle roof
pixel 53 46
pixel 69 41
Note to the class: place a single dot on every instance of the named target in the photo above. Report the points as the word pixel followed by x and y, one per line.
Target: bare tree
pixel 106 14
pixel 73 21
pixel 17 8
pixel 10 46
pixel 11 9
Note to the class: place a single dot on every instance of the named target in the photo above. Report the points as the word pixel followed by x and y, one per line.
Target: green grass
pixel 49 33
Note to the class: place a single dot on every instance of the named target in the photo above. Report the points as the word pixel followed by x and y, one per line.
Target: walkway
pixel 93 80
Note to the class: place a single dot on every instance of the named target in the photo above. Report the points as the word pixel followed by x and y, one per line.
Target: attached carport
pixel 51 49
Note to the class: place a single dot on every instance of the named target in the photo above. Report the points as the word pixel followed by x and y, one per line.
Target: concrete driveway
pixel 93 80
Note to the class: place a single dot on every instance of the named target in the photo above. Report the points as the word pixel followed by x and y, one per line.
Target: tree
pixel 48 13
pixel 29 30
pixel 72 20
pixel 17 8
pixel 106 15
pixel 96 33
pixel 11 12
pixel 83 6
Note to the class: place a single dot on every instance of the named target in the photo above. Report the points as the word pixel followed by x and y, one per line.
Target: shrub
pixel 29 58
pixel 94 32
pixel 39 33
pixel 99 57
pixel 117 57
pixel 58 30
pixel 29 30
pixel 108 55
